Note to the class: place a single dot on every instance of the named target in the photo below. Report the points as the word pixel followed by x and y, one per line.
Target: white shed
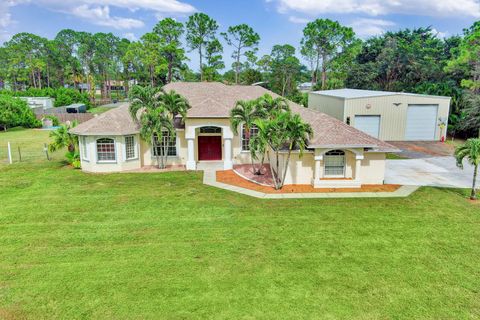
pixel 391 116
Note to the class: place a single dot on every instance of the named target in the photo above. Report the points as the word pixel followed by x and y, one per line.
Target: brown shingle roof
pixel 114 122
pixel 215 100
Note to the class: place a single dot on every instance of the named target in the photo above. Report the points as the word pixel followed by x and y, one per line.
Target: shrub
pixel 62 96
pixel 54 119
pixel 63 100
pixel 15 112
pixel 73 159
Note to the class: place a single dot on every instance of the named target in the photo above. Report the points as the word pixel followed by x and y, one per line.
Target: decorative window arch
pixel 335 163
pixel 106 150
pixel 210 129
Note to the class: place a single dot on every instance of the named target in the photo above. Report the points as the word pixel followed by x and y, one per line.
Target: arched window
pixel 106 149
pixel 335 163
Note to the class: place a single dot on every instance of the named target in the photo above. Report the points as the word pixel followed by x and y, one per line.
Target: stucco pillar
pixel 358 165
pixel 227 148
pixel 317 170
pixel 191 164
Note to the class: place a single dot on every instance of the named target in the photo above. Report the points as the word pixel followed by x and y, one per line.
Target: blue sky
pixel 277 21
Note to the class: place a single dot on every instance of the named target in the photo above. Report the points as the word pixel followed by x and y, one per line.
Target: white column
pixel 358 165
pixel 317 170
pixel 227 149
pixel 191 164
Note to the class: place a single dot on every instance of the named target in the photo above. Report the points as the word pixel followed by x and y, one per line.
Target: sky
pixel 276 21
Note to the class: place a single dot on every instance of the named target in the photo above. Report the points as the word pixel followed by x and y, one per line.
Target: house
pixel 338 155
pixel 39 103
pixel 305 87
pixel 389 116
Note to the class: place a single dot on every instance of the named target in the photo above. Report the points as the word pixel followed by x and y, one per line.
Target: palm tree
pixel 470 150
pixel 270 105
pixel 156 110
pixel 298 133
pixel 62 138
pixel 244 114
pixel 175 103
pixel 175 107
pixel 154 124
pixel 283 132
pixel 142 98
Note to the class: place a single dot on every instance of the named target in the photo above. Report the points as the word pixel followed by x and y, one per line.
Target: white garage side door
pixel 421 122
pixel 368 124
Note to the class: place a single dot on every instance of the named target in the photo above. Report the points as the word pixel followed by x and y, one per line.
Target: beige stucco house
pixel 338 155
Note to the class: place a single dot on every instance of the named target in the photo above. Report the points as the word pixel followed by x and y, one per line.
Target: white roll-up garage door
pixel 368 124
pixel 421 122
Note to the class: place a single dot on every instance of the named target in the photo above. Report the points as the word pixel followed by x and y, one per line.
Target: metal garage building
pixel 391 116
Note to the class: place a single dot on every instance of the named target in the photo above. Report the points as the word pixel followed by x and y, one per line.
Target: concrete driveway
pixel 434 171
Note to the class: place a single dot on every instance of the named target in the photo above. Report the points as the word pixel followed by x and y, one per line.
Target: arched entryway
pixel 210 144
pixel 213 128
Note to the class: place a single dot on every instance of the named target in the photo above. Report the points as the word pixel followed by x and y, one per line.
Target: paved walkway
pixel 210 178
pixel 434 171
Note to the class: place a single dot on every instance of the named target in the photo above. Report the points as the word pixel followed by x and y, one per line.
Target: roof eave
pixel 105 133
pixel 323 146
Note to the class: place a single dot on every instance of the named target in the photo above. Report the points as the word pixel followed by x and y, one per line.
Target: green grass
pixel 395 156
pixel 31 143
pixel 98 110
pixel 156 246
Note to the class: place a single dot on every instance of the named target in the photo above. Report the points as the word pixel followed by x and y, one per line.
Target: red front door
pixel 209 148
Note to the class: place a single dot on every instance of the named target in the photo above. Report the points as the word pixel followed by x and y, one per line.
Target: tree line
pixel 413 60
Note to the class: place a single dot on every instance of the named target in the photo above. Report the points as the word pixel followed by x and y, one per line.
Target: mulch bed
pixel 231 178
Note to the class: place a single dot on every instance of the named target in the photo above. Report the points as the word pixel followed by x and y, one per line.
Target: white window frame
pixel 84 149
pixel 114 150
pixel 326 156
pixel 135 149
pixel 242 138
pixel 175 141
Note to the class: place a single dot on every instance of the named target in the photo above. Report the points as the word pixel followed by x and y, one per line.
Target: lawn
pixel 395 156
pixel 98 110
pixel 163 245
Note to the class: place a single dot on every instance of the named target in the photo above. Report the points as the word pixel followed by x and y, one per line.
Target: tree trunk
pixel 165 152
pixel 152 83
pixel 201 63
pixel 283 86
pixel 276 171
pixel 286 167
pixel 33 79
pixel 259 172
pixel 237 67
pixel 170 67
pixel 473 195
pixel 39 77
pixel 272 172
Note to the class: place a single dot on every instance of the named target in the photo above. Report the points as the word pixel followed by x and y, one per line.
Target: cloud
pixel 440 8
pixel 98 11
pixel 439 34
pixel 130 36
pixel 101 16
pixel 370 27
pixel 299 20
